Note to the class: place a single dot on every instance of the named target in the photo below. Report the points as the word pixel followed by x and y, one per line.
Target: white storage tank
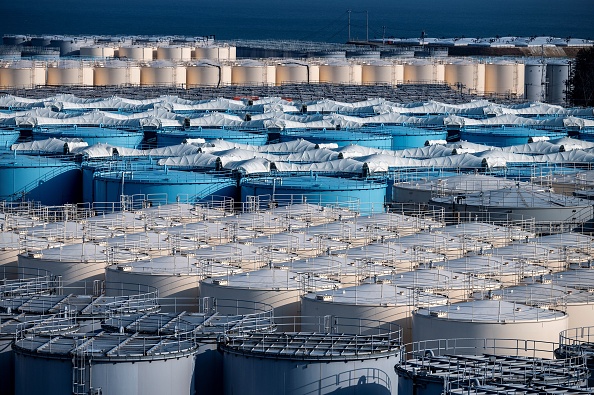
pixel 314 360
pixel 116 73
pixel 535 81
pixel 291 72
pixel 504 78
pixel 97 51
pixel 135 52
pixel 253 73
pixel 22 74
pixel 428 72
pixel 208 74
pixel 70 72
pixel 382 72
pixel 162 73
pixel 490 319
pixel 174 53
pixel 466 75
pixel 558 74
pixel 279 288
pixel 105 363
pixel 341 72
pixel 381 300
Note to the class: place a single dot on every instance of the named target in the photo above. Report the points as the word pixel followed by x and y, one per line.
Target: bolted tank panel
pixel 136 52
pixel 341 73
pixel 292 73
pixel 504 78
pixel 424 72
pixel 253 73
pixel 116 73
pixel 382 73
pixel 557 76
pixel 75 73
pixel 174 53
pixel 162 74
pixel 23 74
pixel 207 74
pixel 210 52
pixel 535 80
pixel 466 75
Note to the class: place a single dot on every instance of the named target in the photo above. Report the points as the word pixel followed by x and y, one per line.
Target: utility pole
pixel 367 26
pixel 349 12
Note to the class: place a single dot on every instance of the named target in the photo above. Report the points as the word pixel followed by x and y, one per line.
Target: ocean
pixel 308 20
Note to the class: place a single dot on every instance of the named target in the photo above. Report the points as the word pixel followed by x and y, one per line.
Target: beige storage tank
pixel 174 52
pixel 97 51
pixel 382 72
pixel 232 52
pixel 162 73
pixel 341 73
pixel 116 73
pixel 136 52
pixel 212 53
pixel 208 74
pixel 253 73
pixel 289 72
pixel 70 72
pixel 424 72
pixel 504 78
pixel 22 74
pixel 466 76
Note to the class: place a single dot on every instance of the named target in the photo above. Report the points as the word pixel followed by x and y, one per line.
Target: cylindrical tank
pixel 93 135
pixel 41 41
pixel 253 73
pixel 379 72
pixel 535 80
pixel 167 138
pixel 136 52
pixel 8 137
pixel 22 74
pixel 424 72
pixel 162 73
pixel 382 301
pixel 466 76
pixel 174 53
pixel 208 74
pixel 371 137
pixel 360 195
pixel 491 319
pixel 505 136
pixel 47 180
pixel 114 363
pixel 316 360
pixel 558 74
pixel 97 51
pixel 279 288
pixel 504 78
pixel 70 72
pixel 14 39
pixel 186 186
pixel 69 46
pixel 116 73
pixel 341 73
pixel 290 72
pixel 209 52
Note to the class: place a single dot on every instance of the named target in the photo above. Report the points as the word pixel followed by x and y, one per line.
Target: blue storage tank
pixel 93 135
pixel 176 185
pixel 8 137
pixel 166 138
pixel 362 195
pixel 586 134
pixel 363 137
pixel 505 136
pixel 404 137
pixel 47 180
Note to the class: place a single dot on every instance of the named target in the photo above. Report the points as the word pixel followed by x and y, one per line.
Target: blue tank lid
pixel 9 159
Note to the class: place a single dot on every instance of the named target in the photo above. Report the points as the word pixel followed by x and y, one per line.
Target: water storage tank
pixel 341 73
pixel 360 195
pixel 505 136
pixel 14 39
pixel 279 288
pixel 97 51
pixel 162 73
pixel 253 73
pixel 208 74
pixel 535 81
pixel 185 186
pixel 382 301
pixel 116 73
pixel 22 74
pixel 136 52
pixel 93 135
pixel 211 52
pixel 174 53
pixel 70 72
pixel 69 46
pixel 504 78
pixel 106 363
pixel 290 72
pixel 491 319
pixel 404 137
pixel 47 180
pixel 424 72
pixel 315 360
pixel 381 72
pixel 167 138
pixel 365 137
pixel 8 137
pixel 467 76
pixel 558 74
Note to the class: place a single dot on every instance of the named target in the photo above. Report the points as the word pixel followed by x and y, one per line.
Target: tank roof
pixel 272 279
pixel 438 280
pixel 172 265
pixel 315 183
